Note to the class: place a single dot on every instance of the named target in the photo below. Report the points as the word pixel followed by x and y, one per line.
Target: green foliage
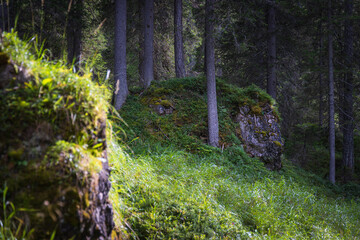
pixel 173 186
pixel 187 125
pixel 52 136
pixel 70 104
pixel 166 192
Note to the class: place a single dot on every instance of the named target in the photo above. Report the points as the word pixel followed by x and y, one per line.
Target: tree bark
pixel 141 41
pixel 271 71
pixel 348 128
pixel 213 123
pixel 74 35
pixel 331 98
pixel 121 87
pixel 321 76
pixel 7 17
pixel 179 48
pixel 148 43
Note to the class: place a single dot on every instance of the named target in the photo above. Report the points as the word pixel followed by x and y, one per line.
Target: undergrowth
pixel 167 193
pixel 170 185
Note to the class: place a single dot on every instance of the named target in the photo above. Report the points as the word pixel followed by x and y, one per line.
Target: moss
pixel 52 131
pixel 264 133
pixel 190 118
pixel 162 91
pixel 278 143
pixel 16 154
pixel 72 105
pixel 166 103
pixel 256 109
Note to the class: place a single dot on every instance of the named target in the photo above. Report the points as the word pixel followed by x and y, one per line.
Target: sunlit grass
pixel 168 193
pixel 173 186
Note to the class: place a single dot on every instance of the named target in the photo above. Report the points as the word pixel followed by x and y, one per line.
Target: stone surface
pixel 261 136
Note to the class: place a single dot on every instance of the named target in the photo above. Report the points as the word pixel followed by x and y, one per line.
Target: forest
pixel 179 119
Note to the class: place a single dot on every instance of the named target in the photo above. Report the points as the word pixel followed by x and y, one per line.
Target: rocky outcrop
pixel 53 150
pixel 260 134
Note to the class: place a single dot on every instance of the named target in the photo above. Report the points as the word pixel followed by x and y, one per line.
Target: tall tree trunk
pixel 7 17
pixel 179 48
pixel 271 72
pixel 148 43
pixel 213 122
pixel 121 87
pixel 348 141
pixel 331 98
pixel 73 35
pixel 321 76
pixel 141 41
pixel 3 18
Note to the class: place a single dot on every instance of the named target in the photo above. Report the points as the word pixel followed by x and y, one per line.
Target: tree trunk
pixel 321 76
pixel 141 41
pixel 179 48
pixel 213 123
pixel 148 43
pixel 7 17
pixel 348 141
pixel 74 33
pixel 331 98
pixel 121 88
pixel 271 72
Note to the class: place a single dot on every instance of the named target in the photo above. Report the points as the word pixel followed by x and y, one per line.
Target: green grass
pixel 171 185
pixel 166 182
pixel 167 193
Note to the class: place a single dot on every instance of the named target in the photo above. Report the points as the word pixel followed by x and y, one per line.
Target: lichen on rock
pixel 261 136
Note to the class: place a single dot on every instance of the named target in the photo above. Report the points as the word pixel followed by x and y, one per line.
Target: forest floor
pixel 167 187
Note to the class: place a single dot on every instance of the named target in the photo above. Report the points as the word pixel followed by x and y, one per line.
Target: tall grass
pixel 164 192
pixel 170 185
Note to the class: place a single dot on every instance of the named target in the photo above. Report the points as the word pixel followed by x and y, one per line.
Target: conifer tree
pixel 121 87
pixel 213 122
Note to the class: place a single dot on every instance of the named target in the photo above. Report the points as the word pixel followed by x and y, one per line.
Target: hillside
pixel 172 185
pixel 181 119
pixel 167 183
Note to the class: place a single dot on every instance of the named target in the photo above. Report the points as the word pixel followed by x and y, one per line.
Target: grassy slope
pixel 171 185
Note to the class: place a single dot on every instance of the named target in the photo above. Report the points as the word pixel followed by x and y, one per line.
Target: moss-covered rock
pixel 52 146
pixel 260 134
pixel 242 111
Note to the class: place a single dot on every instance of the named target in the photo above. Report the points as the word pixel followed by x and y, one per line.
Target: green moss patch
pixel 187 125
pixel 52 136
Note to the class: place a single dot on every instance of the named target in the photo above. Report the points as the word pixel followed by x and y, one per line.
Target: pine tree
pixel 179 48
pixel 213 122
pixel 121 87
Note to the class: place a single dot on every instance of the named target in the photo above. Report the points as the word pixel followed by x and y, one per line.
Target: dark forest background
pixel 82 32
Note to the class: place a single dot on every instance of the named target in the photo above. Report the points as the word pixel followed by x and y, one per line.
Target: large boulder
pixel 53 157
pixel 260 134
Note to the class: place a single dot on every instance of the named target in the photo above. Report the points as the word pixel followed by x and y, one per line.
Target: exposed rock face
pixel 63 182
pixel 260 133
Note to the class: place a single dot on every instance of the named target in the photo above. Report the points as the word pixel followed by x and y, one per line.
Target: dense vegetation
pixel 295 58
pixel 51 141
pixel 173 185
